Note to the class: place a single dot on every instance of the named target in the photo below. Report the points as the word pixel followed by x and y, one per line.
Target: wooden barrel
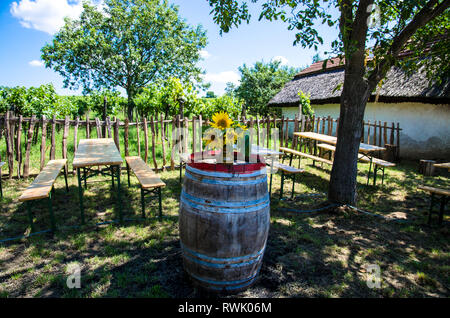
pixel 224 224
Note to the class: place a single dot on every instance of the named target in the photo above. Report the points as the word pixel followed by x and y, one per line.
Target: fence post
pixel 43 141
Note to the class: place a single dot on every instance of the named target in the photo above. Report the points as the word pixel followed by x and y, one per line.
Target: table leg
pixel 112 176
pixel 65 179
pixel 160 202
pixel 370 168
pixel 30 216
pixel 80 193
pixel 52 217
pixel 119 201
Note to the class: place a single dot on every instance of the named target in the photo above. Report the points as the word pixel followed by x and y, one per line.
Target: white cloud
pixel 36 63
pixel 46 15
pixel 222 77
pixel 205 54
pixel 282 59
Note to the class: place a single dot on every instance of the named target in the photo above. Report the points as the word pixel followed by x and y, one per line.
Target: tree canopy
pixel 374 35
pixel 260 82
pixel 129 44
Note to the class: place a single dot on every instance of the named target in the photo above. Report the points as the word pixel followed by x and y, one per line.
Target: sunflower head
pixel 212 139
pixel 230 136
pixel 221 120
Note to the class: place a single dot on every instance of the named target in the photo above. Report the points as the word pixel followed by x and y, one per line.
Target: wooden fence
pixel 156 131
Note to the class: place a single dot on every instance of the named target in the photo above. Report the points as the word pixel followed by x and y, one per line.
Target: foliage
pixel 129 44
pixel 409 34
pixel 260 83
pixel 305 103
pixel 43 100
pixel 226 103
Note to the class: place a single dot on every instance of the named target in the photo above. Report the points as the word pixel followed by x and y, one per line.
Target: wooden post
pixel 385 134
pixel 26 166
pixel 172 144
pixel 163 142
pixel 53 146
pixel 19 146
pixel 368 132
pixel 185 134
pixel 126 136
pixel 153 143
pixel 64 142
pixel 281 132
pixel 331 127
pixel 398 141
pixel 138 136
pixel 295 138
pixel 268 131
pixel 374 133
pixel 426 167
pixel 194 135
pixel 380 132
pixel 99 128
pixel 145 140
pixel 117 134
pixel 75 139
pixel 323 125
pixel 9 146
pixel 88 128
pixel 108 127
pixel 43 141
pixel 391 141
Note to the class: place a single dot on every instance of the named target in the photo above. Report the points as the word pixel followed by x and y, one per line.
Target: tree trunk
pixel 130 106
pixel 342 188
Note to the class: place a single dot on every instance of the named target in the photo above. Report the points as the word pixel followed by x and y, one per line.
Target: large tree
pixel 260 82
pixel 126 44
pixel 370 43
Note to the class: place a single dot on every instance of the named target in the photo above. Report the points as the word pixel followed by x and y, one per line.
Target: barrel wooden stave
pixel 224 228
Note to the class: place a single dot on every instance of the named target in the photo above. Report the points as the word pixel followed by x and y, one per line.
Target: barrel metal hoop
pixel 227 285
pixel 228 183
pixel 224 259
pixel 205 208
pixel 224 203
pixel 226 175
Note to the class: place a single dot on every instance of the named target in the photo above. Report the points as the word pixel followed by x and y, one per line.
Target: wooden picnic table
pixel 363 148
pixel 96 153
pixel 445 165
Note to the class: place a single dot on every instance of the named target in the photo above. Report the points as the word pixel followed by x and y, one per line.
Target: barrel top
pixel 207 161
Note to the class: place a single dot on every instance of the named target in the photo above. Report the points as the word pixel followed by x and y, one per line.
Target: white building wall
pixel 425 128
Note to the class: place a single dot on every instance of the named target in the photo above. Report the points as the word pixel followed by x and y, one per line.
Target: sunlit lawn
pixel 308 255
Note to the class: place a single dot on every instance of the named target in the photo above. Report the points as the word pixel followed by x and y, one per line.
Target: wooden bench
pixel 1 189
pixel 149 181
pixel 378 164
pixel 43 187
pixel 443 193
pixel 293 152
pixel 286 172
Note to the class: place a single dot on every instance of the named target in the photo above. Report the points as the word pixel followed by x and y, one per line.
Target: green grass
pixel 308 255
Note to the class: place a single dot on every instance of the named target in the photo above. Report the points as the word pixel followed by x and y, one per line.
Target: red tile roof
pixel 318 66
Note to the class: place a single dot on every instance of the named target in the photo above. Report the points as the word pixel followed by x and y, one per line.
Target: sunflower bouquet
pixel 223 134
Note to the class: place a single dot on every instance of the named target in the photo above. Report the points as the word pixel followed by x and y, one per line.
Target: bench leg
pixel 270 185
pixel 441 211
pixel 375 170
pixel 142 203
pixel 65 179
pixel 160 203
pixel 52 217
pixel 30 216
pixel 85 180
pixel 112 176
pixel 382 178
pixel 282 184
pixel 1 189
pixel 431 208
pixel 80 194
pixel 370 168
pixel 119 200
pixel 128 174
pixel 293 186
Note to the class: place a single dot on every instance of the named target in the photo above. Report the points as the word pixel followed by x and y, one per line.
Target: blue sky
pixel 27 25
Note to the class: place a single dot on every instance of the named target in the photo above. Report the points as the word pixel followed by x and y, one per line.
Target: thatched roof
pixel 397 87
